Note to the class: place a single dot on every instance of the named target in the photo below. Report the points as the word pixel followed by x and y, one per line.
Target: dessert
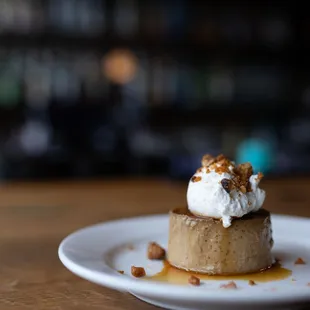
pixel 224 230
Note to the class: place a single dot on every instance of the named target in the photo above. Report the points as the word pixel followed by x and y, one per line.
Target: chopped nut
pixel 251 282
pixel 300 261
pixel 207 160
pixel 243 189
pixel 155 251
pixel 137 272
pixel 260 176
pixel 227 185
pixel 194 280
pixel 229 285
pixel 196 179
pixel 130 247
pixel 121 271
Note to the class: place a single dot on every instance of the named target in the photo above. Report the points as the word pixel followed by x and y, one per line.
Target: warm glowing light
pixel 120 66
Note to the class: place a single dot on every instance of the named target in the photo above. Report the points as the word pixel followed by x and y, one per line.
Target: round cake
pixel 224 230
pixel 202 244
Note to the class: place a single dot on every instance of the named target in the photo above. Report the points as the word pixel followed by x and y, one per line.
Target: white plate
pixel 96 254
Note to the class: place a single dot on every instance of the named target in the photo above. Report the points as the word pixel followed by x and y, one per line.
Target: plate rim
pixel 172 291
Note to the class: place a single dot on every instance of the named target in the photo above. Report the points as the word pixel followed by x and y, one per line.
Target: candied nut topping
pixel 251 282
pixel 300 261
pixel 137 272
pixel 207 160
pixel 121 271
pixel 260 175
pixel 130 247
pixel 155 251
pixel 194 280
pixel 243 189
pixel 240 174
pixel 229 285
pixel 196 179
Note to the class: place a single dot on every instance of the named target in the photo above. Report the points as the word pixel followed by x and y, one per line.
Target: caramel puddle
pixel 173 275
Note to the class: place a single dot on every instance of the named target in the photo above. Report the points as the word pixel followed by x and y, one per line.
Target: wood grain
pixel 35 217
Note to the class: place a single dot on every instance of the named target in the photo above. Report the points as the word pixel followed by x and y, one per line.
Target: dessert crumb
pixel 155 251
pixel 121 271
pixel 293 280
pixel 196 179
pixel 251 282
pixel 130 247
pixel 229 285
pixel 137 272
pixel 194 280
pixel 299 261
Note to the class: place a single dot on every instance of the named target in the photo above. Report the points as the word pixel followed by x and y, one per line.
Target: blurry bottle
pixel 87 68
pixel 137 87
pixel 10 79
pixel 65 84
pixel 174 18
pixel 37 82
pixel 157 78
pixel 62 15
pixel 6 16
pixel 220 85
pixel 22 11
pixel 274 31
pixel 90 17
pixel 126 18
pixel 34 137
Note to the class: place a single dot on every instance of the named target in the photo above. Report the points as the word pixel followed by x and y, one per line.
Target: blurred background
pixel 100 88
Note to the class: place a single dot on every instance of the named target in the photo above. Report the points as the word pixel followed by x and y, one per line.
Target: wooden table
pixel 35 217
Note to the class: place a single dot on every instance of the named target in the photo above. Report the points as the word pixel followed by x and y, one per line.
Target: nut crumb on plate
pixel 300 261
pixel 194 280
pixel 120 271
pixel 137 272
pixel 229 285
pixel 155 251
pixel 251 282
pixel 130 247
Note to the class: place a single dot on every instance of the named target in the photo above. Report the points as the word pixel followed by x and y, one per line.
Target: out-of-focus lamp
pixel 119 66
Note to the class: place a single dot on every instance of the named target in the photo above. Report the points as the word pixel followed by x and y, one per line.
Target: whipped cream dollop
pixel 222 190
